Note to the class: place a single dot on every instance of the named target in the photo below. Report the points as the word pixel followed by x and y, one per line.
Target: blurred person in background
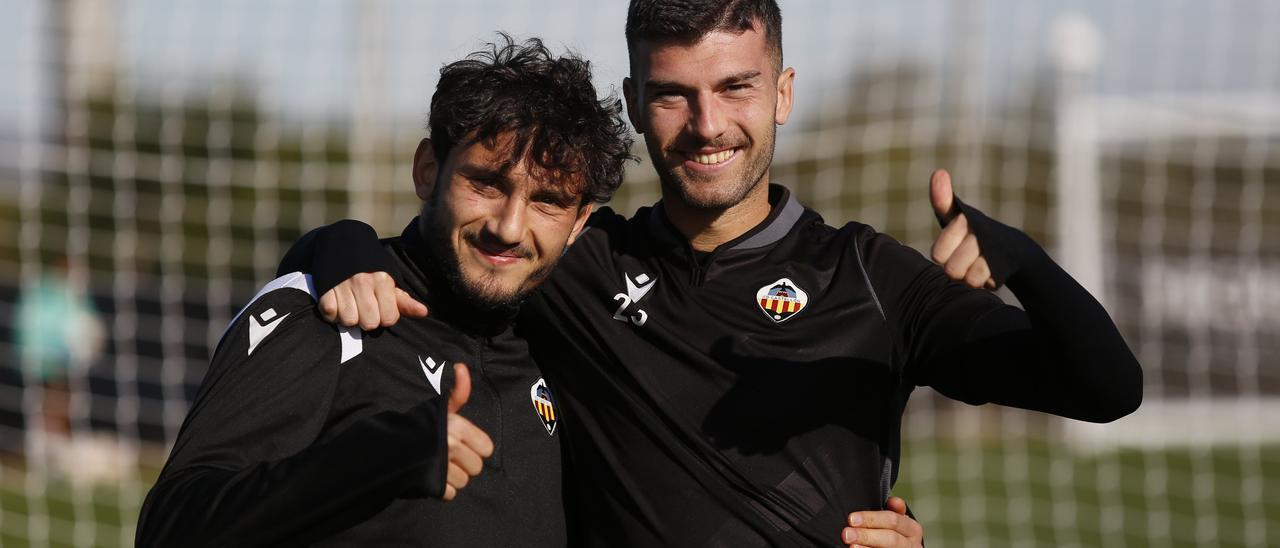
pixel 58 336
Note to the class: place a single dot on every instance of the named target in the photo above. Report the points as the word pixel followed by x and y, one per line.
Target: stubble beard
pixel 485 294
pixel 731 192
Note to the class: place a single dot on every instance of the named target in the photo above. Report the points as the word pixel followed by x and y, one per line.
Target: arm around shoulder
pixel 335 252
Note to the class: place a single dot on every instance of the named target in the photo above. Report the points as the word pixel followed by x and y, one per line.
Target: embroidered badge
pixel 781 300
pixel 544 405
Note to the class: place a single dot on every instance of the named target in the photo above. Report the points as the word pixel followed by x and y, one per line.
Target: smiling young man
pixel 302 434
pixel 732 369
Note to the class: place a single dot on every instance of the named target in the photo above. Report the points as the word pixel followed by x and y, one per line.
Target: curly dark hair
pixel 687 21
pixel 550 106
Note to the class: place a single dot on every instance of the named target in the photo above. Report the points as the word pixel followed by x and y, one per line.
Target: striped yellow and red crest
pixel 544 405
pixel 781 300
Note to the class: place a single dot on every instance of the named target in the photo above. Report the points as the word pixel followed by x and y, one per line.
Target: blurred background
pixel 157 157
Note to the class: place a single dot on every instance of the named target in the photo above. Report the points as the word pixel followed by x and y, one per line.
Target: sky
pixel 305 58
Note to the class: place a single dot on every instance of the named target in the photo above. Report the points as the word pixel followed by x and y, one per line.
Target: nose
pixel 507 223
pixel 707 118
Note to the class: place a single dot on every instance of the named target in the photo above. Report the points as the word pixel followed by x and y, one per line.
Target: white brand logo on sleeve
pixel 432 370
pixel 636 290
pixel 261 325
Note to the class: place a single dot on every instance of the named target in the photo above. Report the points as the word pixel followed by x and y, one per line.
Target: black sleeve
pixel 1063 355
pixel 335 252
pixel 247 467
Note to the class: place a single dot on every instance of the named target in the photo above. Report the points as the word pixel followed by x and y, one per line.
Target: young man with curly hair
pixel 305 434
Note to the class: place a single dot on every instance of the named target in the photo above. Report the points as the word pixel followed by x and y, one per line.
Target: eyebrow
pixel 482 171
pixel 731 79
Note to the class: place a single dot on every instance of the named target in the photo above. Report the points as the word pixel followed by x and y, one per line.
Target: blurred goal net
pixel 157 158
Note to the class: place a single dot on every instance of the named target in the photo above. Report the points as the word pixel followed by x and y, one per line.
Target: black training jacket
pixel 752 396
pixel 307 434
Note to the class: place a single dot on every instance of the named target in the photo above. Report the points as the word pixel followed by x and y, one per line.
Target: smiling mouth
pixel 499 255
pixel 713 158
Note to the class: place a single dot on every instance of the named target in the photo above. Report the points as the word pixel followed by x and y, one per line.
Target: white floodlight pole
pixel 1076 46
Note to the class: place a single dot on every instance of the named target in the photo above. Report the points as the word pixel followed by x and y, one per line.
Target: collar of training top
pixel 786 211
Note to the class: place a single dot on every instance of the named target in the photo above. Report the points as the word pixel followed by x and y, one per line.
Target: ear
pixel 783 109
pixel 633 109
pixel 424 170
pixel 584 213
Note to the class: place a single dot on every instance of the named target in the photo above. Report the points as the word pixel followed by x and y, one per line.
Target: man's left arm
pixel 1062 355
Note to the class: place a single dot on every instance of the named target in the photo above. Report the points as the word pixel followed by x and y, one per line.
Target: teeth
pixel 711 159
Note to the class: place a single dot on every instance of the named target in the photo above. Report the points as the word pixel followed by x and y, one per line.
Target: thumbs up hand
pixel 468 444
pixel 956 248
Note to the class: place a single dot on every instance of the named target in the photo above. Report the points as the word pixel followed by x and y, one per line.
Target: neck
pixel 706 229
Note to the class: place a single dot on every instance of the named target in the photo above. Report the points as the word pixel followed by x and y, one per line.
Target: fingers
pixel 455 480
pixel 370 300
pixel 464 457
pixel 949 239
pixel 468 436
pixel 887 520
pixel 348 313
pixel 979 275
pixel 874 538
pixel 941 195
pixel 461 387
pixel 897 505
pixel 956 248
pixel 386 301
pixel 372 293
pixel 409 306
pixel 468 447
pixel 329 306
pixel 883 528
pixel 962 258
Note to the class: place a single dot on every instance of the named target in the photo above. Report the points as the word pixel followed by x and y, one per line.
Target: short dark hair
pixel 550 105
pixel 687 21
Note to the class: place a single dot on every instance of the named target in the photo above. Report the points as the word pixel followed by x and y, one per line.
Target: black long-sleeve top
pixel 753 395
pixel 307 434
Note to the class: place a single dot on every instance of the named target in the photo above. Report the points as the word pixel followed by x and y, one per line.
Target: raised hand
pixel 369 299
pixel 891 528
pixel 468 444
pixel 956 248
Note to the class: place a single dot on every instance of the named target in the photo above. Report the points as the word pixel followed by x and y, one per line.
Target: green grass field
pixel 993 494
pixel 1134 498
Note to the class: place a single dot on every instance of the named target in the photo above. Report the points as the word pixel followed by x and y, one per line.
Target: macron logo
pixel 262 325
pixel 637 289
pixel 433 371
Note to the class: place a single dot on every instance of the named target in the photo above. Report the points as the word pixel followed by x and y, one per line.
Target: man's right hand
pixel 468 444
pixel 370 300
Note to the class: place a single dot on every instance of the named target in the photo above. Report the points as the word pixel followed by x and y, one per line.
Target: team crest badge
pixel 781 300
pixel 544 405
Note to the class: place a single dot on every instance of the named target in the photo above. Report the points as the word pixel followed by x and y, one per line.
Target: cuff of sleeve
pixel 437 471
pixel 1006 249
pixel 429 475
pixel 342 250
